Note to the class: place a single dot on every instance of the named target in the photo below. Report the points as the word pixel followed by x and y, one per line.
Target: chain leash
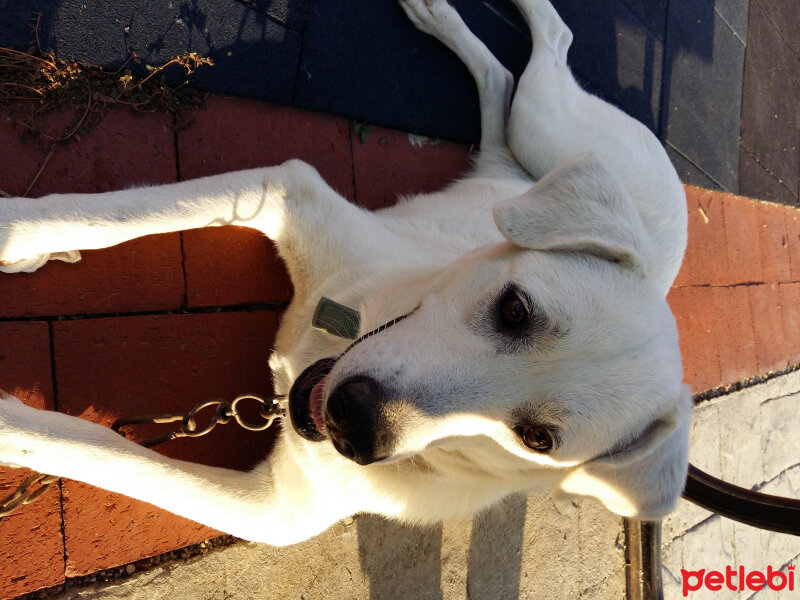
pixel 269 409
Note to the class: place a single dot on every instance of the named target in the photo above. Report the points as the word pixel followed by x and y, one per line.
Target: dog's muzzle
pixel 356 422
pixel 301 411
pixel 354 418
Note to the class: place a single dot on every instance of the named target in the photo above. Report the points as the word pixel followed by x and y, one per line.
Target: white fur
pixel 596 244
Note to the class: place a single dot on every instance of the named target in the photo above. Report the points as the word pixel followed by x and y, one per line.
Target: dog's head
pixel 550 357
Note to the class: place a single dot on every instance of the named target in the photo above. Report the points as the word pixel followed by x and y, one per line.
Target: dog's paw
pixel 434 17
pixel 29 265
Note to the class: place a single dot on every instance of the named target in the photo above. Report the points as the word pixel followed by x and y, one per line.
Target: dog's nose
pixel 356 422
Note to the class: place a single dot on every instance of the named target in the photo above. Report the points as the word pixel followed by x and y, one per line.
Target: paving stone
pixel 363 88
pixel 671 565
pixel 703 84
pixel 601 539
pixel 31 544
pixel 187 359
pixel 703 453
pixel 743 237
pixel 505 521
pixel 653 13
pixel 784 15
pixel 122 150
pixel 689 172
pixel 543 572
pixel 699 554
pixel 770 119
pixel 780 445
pixel 388 164
pixel 747 541
pixel 619 54
pixel 768 323
pixel 756 181
pixel 734 13
pixel 739 440
pixel 704 436
pixel 395 557
pixel 617 49
pixel 242 38
pixel 372 557
pixel 774 242
pixel 777 549
pixel 785 385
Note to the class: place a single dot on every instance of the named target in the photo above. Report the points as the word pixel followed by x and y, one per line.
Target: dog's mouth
pixel 305 400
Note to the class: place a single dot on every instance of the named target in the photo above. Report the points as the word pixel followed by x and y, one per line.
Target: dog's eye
pixel 513 310
pixel 536 437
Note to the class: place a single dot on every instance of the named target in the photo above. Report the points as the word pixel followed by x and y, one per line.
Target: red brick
pixel 31 543
pixel 387 164
pixel 106 530
pixel 775 257
pixel 734 332
pixel 137 276
pixel 151 365
pixel 124 149
pixel 693 310
pixel 770 338
pixel 790 303
pixel 233 265
pixel 236 266
pixel 233 133
pixel 743 236
pixel 793 236
pixel 706 260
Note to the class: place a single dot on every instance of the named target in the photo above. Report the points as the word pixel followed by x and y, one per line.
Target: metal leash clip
pixel 269 410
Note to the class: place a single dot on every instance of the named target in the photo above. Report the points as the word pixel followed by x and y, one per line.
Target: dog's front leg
pixel 275 503
pixel 290 203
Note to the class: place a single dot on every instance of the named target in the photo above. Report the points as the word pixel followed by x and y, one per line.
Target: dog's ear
pixel 579 206
pixel 645 479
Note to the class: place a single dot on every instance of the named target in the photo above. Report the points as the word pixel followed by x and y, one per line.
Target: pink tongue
pixel 315 405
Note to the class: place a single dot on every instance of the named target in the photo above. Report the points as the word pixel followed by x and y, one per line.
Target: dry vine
pixel 33 85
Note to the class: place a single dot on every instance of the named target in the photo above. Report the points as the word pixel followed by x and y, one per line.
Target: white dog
pixel 514 334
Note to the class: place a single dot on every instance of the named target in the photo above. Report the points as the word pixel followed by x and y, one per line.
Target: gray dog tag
pixel 336 319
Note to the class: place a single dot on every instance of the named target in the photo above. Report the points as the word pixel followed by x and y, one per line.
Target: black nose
pixel 356 420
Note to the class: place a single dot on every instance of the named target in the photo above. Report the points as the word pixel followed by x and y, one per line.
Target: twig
pixel 44 164
pixel 66 136
pixel 36 31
